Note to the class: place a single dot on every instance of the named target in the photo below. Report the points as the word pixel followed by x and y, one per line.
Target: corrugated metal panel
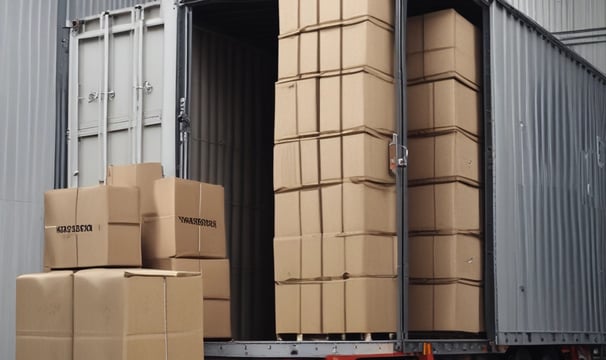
pixel 232 145
pixel 580 24
pixel 27 123
pixel 548 129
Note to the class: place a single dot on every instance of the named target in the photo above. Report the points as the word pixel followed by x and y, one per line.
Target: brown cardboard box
pixel 285 111
pixel 137 314
pixel 217 319
pixel 445 207
pixel 296 111
pixel 190 221
pixel 444 104
pixel 366 156
pixel 287 258
pixel 448 155
pixel 287 166
pixel 310 212
pixel 370 255
pixel 92 226
pixel 454 306
pixel 139 175
pixel 288 15
pixel 287 219
pixel 311 308
pixel 44 322
pixel 288 308
pixel 309 63
pixel 330 49
pixel 368 44
pixel 215 273
pixel 311 256
pixel 369 208
pixel 332 208
pixel 331 160
pixel 288 57
pixel 370 305
pixel 368 101
pixel 310 168
pixel 333 255
pixel 330 104
pixel 333 307
pixel 308 12
pixel 330 10
pixel 379 9
pixel 442 44
pixel 445 257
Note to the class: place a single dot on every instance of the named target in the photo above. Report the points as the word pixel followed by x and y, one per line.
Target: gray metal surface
pixel 27 125
pixel 232 145
pixel 549 189
pixel 83 8
pixel 580 24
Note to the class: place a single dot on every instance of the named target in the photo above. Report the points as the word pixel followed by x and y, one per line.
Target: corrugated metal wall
pixel 27 123
pixel 549 127
pixel 83 8
pixel 232 145
pixel 580 24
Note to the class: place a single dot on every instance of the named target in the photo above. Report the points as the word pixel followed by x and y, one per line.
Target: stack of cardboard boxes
pixel 95 301
pixel 445 175
pixel 334 246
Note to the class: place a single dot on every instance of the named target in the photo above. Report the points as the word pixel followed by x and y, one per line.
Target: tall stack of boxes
pixel 94 301
pixel 334 245
pixel 444 174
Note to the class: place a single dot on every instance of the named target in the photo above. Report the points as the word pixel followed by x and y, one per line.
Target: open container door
pixel 124 97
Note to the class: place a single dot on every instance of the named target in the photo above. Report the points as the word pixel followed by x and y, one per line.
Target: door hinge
pixel 398 154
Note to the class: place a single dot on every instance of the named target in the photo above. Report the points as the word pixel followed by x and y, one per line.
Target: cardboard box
pixel 310 212
pixel 311 308
pixel 445 208
pixel 330 49
pixel 443 44
pixel 370 255
pixel 285 126
pixel 333 255
pixel 366 156
pixel 332 208
pixel 454 306
pixel 330 104
pixel 369 208
pixel 287 166
pixel 310 158
pixel 288 57
pixel 307 100
pixel 288 12
pixel 137 314
pixel 370 305
pixel 330 10
pixel 379 9
pixel 311 256
pixel 44 322
pixel 308 13
pixel 287 218
pixel 333 307
pixel 287 258
pixel 446 257
pixel 368 44
pixel 217 319
pixel 288 308
pixel 139 175
pixel 215 273
pixel 190 221
pixel 449 155
pixel 92 226
pixel 368 101
pixel 445 104
pixel 331 160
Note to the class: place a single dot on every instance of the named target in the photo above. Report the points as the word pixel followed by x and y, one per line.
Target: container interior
pixel 233 71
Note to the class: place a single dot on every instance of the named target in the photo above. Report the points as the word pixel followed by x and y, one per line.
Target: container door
pixel 122 91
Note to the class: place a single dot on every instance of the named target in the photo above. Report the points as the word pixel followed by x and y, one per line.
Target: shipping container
pixel 190 84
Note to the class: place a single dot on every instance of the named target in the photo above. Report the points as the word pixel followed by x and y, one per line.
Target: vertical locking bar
pixel 140 90
pixel 104 97
pixel 134 91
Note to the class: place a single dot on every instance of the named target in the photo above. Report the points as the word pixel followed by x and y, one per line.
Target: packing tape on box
pixel 444 281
